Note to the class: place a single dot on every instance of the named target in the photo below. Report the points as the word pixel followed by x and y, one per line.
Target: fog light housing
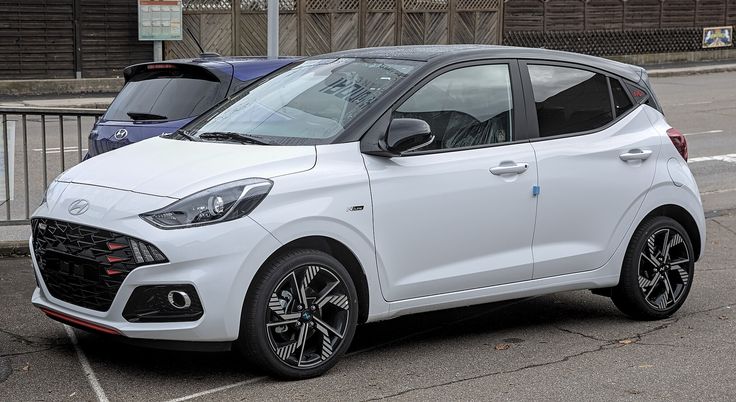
pixel 163 303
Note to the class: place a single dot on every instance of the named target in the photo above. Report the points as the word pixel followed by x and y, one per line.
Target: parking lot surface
pixel 572 345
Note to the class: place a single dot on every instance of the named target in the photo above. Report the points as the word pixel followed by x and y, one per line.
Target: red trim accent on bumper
pixel 76 321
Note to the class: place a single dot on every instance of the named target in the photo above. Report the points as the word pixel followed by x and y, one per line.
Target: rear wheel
pixel 300 315
pixel 657 272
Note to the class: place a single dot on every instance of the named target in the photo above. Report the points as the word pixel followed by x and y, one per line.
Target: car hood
pixel 176 169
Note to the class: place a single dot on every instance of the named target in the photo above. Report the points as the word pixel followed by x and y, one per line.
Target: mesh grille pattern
pixel 606 43
pixel 481 5
pixel 206 5
pixel 379 5
pixel 425 5
pixel 83 265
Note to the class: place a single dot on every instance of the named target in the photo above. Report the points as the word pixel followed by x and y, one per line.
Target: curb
pixel 680 71
pixel 60 86
pixel 14 249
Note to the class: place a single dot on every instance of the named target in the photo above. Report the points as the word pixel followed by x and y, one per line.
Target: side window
pixel 466 107
pixel 621 100
pixel 569 100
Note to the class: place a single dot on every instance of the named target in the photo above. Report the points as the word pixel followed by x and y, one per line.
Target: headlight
pixel 217 204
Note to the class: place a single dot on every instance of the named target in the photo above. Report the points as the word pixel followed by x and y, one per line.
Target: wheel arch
pixel 343 254
pixel 684 218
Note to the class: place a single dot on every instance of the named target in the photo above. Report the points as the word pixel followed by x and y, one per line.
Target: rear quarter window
pixel 569 100
pixel 165 95
pixel 621 100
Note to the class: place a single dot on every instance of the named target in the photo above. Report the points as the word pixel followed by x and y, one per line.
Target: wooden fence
pixel 308 27
pixel 614 27
pixel 58 38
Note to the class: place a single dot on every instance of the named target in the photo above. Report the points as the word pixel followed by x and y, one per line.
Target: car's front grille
pixel 84 265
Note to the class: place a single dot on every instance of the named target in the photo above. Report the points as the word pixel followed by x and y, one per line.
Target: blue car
pixel 161 97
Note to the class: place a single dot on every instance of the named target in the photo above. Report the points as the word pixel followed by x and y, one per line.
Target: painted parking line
pixel 703 132
pixel 730 158
pixel 86 367
pixel 218 389
pixel 691 103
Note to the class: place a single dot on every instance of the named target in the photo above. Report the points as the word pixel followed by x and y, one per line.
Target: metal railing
pixel 31 139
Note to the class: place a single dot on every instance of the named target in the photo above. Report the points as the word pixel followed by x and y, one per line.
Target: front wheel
pixel 299 316
pixel 657 272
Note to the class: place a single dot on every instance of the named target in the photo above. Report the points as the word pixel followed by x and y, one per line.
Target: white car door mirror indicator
pixel 216 204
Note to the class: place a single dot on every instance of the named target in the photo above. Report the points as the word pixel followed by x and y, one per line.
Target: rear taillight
pixel 679 141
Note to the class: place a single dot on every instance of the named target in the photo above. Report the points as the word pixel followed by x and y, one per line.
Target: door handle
pixel 510 168
pixel 636 154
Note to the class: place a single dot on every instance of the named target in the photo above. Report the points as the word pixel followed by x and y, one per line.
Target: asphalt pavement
pixel 567 346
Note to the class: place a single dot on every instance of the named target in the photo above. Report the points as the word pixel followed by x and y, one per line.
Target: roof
pixel 447 53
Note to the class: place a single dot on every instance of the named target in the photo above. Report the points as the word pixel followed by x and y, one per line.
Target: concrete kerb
pixel 14 249
pixel 60 86
pixel 680 71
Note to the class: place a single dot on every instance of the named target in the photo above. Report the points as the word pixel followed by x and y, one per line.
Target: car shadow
pixel 440 326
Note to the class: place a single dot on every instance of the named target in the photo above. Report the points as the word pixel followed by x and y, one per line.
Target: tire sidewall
pixel 255 307
pixel 630 274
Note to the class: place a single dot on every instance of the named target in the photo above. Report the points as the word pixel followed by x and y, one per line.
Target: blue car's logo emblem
pixel 120 134
pixel 79 207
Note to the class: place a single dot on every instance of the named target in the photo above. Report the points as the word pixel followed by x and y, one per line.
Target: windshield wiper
pixel 146 116
pixel 180 132
pixel 230 136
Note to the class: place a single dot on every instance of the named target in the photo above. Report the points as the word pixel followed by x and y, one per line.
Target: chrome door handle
pixel 636 154
pixel 515 168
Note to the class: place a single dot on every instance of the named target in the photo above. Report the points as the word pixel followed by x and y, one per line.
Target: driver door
pixel 459 213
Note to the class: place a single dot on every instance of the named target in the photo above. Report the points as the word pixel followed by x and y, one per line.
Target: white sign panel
pixel 159 20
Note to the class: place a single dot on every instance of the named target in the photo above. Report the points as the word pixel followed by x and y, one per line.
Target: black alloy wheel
pixel 658 269
pixel 300 315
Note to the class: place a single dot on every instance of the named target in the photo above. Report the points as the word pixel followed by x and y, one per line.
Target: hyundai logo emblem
pixel 79 207
pixel 120 134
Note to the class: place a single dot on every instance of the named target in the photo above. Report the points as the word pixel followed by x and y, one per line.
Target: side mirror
pixel 406 135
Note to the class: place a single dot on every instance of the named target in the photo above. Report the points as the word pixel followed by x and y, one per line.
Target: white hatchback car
pixel 367 184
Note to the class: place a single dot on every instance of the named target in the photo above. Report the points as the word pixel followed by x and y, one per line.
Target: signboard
pixel 159 20
pixel 717 37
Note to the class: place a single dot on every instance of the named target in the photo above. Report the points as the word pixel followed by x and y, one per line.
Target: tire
pixel 316 332
pixel 657 272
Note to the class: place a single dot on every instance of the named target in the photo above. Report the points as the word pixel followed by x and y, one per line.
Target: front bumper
pixel 218 260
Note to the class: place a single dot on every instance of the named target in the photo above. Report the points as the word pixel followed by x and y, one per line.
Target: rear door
pixel 457 214
pixel 596 156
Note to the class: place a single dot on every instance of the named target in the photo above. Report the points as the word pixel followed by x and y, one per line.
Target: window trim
pixel 531 109
pixel 634 105
pixel 519 118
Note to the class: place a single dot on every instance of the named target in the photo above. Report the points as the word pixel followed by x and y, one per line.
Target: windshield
pixel 308 104
pixel 162 96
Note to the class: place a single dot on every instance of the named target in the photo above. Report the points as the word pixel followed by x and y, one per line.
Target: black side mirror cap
pixel 406 135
